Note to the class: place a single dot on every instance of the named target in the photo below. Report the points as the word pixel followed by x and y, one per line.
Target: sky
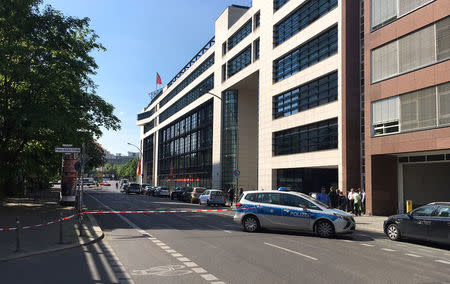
pixel 142 37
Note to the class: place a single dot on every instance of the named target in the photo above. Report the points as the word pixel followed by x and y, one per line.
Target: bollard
pixel 17 234
pixel 60 228
pixel 80 224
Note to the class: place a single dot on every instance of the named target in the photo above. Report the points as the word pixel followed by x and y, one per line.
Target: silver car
pixel 290 211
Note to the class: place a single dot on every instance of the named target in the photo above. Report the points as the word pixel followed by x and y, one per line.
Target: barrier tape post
pixel 80 224
pixel 17 234
pixel 60 228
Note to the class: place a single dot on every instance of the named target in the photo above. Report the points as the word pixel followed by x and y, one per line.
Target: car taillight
pixel 210 196
pixel 238 204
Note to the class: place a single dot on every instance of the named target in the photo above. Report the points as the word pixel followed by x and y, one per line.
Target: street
pixel 210 247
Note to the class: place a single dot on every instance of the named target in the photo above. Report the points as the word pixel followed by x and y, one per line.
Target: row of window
pixel 238 36
pixel 240 61
pixel 417 110
pixel 190 143
pixel 322 135
pixel 189 79
pixel 384 12
pixel 416 50
pixel 309 53
pixel 277 4
pixel 149 126
pixel 187 99
pixel 302 17
pixel 193 163
pixel 188 123
pixel 146 114
pixel 314 93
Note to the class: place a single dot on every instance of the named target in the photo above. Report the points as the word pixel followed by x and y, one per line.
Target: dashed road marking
pixel 190 264
pixel 386 249
pixel 199 270
pixel 183 259
pixel 291 251
pixel 171 251
pixel 442 261
pixel 348 241
pixel 209 277
pixel 366 245
pixel 177 255
pixel 413 255
pixel 217 282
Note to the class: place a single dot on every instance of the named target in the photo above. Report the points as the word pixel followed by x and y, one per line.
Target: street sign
pixel 236 173
pixel 67 145
pixel 67 150
pixel 99 175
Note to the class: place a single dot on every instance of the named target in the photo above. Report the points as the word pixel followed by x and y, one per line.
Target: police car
pixel 290 211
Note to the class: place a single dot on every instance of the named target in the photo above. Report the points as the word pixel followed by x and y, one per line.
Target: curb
pixel 82 241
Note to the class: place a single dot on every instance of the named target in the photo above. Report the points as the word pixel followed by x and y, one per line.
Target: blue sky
pixel 142 37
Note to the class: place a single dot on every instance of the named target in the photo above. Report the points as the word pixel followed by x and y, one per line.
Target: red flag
pixel 138 168
pixel 158 79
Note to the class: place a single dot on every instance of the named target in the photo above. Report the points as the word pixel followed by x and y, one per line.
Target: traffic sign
pixel 236 173
pixel 67 150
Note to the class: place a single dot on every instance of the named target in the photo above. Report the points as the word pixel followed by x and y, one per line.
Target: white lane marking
pixel 348 241
pixel 209 277
pixel 220 229
pixel 91 265
pixel 199 270
pixel 165 247
pixel 442 261
pixel 217 282
pixel 171 251
pixel 366 245
pixel 190 264
pixel 183 259
pixel 288 250
pixel 161 244
pixel 413 255
pixel 386 249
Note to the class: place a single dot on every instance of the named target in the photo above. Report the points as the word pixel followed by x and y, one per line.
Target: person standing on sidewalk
pixel 323 197
pixel 231 195
pixel 334 197
pixel 342 203
pixel 350 200
pixel 357 202
pixel 363 201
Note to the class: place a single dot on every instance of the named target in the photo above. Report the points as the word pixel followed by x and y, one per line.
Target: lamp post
pixel 141 157
pixel 230 114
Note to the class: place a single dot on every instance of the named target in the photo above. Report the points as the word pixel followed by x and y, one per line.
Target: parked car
pixel 186 195
pixel 177 192
pixel 146 188
pixel 427 223
pixel 105 183
pixel 133 188
pixel 212 197
pixel 88 181
pixel 284 210
pixel 124 182
pixel 162 191
pixel 195 195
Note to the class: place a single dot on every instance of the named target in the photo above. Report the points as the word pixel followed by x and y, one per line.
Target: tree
pixel 128 170
pixel 47 96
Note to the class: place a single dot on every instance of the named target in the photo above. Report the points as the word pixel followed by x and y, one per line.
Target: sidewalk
pixel 33 241
pixel 370 223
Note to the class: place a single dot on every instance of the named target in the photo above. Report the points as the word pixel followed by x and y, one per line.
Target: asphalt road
pixel 211 248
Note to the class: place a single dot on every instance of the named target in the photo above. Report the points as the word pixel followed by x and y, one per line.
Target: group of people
pixel 354 202
pixel 232 194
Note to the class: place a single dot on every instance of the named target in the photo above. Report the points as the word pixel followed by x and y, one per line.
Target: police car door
pixel 269 210
pixel 294 216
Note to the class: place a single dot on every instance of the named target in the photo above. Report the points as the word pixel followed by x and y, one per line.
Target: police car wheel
pixel 324 229
pixel 250 224
pixel 393 232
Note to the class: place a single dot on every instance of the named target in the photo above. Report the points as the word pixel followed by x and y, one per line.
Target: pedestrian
pixel 342 203
pixel 117 185
pixel 323 197
pixel 231 195
pixel 350 200
pixel 357 202
pixel 240 192
pixel 334 197
pixel 363 200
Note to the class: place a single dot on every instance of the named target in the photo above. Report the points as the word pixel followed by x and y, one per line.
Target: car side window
pixel 251 197
pixel 291 200
pixel 269 198
pixel 423 211
pixel 443 211
pixel 308 204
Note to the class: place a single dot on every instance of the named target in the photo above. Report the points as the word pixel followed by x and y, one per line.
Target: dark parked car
pixel 177 192
pixel 429 223
pixel 195 195
pixel 133 188
pixel 186 195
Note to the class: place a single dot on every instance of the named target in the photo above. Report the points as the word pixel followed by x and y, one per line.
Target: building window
pixel 412 111
pixel 224 72
pixel 146 114
pixel 310 53
pixel 413 51
pixel 312 94
pixel 189 79
pixel 301 18
pixel 317 136
pixel 384 12
pixel 256 50
pixel 257 19
pixel 238 36
pixel 190 97
pixel 277 4
pixel 240 61
pixel 224 48
pixel 149 126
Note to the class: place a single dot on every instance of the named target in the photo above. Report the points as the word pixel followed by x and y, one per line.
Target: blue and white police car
pixel 287 210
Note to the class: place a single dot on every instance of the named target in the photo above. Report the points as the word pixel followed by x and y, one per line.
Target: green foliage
pixel 47 97
pixel 128 170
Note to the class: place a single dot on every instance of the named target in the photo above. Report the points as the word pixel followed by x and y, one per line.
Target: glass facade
pixel 310 53
pixel 147 151
pixel 312 94
pixel 185 149
pixel 256 49
pixel 189 79
pixel 146 114
pixel 238 36
pixel 322 135
pixel 307 180
pixel 190 97
pixel 277 4
pixel 230 138
pixel 149 126
pixel 240 61
pixel 301 18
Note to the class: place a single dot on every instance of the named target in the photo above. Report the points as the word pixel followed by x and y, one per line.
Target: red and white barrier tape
pixel 115 212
